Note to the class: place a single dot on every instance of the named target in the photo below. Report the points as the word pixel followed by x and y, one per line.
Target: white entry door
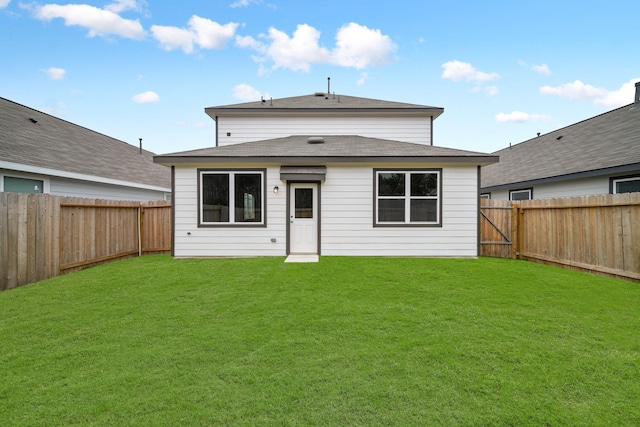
pixel 303 217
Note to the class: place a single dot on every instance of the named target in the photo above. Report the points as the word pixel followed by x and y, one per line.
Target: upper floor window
pixel 231 197
pixel 408 197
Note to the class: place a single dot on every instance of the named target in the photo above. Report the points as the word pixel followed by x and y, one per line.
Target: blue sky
pixel 502 70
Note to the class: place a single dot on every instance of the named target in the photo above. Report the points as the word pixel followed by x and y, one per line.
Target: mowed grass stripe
pixel 346 341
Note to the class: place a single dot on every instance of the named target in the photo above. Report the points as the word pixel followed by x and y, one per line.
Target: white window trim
pixel 231 173
pixel 626 179
pixel 529 191
pixel 407 199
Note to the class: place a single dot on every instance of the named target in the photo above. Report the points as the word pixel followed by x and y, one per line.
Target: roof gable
pixel 606 141
pixel 31 137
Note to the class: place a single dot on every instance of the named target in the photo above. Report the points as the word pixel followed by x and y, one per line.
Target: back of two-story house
pixel 325 174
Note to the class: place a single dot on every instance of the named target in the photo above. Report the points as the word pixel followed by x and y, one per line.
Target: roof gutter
pixel 175 160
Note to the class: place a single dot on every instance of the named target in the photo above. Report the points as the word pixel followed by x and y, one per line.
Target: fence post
pixel 520 231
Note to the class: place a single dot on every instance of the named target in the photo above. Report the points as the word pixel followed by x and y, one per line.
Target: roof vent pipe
pixel 140 145
pixel 328 85
pixel 636 100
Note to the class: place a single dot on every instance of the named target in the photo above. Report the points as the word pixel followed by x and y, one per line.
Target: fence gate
pixel 497 228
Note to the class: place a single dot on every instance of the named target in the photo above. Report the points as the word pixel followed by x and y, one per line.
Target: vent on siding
pixel 315 140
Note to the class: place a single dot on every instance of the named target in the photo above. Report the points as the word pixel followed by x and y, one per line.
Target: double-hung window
pixel 408 197
pixel 231 197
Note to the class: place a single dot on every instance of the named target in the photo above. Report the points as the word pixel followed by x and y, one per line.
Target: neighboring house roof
pixel 324 103
pixel 604 144
pixel 46 143
pixel 334 148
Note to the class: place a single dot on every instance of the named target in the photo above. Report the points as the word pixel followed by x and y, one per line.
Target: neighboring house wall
pixel 569 188
pixel 246 129
pixel 347 203
pixel 59 186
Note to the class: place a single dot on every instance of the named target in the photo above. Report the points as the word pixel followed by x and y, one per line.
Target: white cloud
pixel 356 46
pixel 55 73
pixel 617 98
pixel 297 52
pixel 99 22
pixel 457 71
pixel 244 3
pixel 123 5
pixel 248 41
pixel 205 33
pixel 246 93
pixel 201 125
pixel 4 3
pixel 492 90
pixel 171 38
pixel 574 91
pixel 520 117
pixel 209 34
pixel 541 69
pixel 146 97
pixel 363 78
pixel 608 98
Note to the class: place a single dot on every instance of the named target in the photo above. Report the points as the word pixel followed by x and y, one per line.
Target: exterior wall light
pixel 276 189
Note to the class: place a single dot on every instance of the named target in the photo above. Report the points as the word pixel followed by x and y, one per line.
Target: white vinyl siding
pixel 568 188
pixel 347 217
pixel 245 129
pixel 347 201
pixel 194 241
pixel 68 187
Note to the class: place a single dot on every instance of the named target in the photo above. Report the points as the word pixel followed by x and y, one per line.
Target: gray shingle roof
pixel 53 143
pixel 602 142
pixel 339 148
pixel 322 102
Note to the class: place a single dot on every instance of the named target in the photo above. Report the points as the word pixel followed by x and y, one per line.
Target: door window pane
pixel 304 203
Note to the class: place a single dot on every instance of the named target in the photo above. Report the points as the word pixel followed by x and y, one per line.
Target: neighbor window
pixel 407 197
pixel 627 184
pixel 23 185
pixel 232 197
pixel 485 196
pixel 524 194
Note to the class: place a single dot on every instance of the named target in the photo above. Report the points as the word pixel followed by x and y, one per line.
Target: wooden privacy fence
pixel 42 236
pixel 600 234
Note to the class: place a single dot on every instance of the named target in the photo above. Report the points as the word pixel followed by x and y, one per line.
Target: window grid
pixel 407 197
pixel 232 214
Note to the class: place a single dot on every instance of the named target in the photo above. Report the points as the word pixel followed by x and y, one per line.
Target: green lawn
pixel 344 342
